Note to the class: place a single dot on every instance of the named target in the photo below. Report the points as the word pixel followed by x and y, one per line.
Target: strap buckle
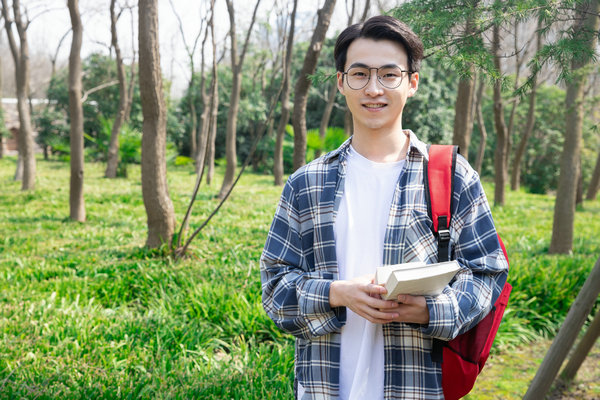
pixel 444 235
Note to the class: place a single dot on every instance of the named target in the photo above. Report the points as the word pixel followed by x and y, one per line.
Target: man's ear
pixel 413 84
pixel 340 82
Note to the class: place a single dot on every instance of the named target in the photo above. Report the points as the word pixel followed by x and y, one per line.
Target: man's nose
pixel 373 87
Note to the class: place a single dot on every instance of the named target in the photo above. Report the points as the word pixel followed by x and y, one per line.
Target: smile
pixel 379 105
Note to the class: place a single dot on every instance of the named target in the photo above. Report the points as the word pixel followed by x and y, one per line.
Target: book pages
pixel 415 278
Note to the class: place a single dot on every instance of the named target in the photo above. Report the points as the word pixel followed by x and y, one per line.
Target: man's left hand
pixel 412 309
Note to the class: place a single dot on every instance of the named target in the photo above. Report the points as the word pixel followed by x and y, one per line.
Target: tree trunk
pixel 515 178
pixel 204 126
pixel 500 125
pixel 21 60
pixel 579 194
pixel 113 147
pixel 582 350
pixel 234 102
pixel 214 108
pixel 463 107
pixel 564 207
pixel 327 114
pixel 303 83
pixel 463 121
pixel 212 132
pixel 482 129
pixel 285 101
pixel 595 182
pixel 76 201
pixel 2 148
pixel 159 208
pixel 348 123
pixel 19 169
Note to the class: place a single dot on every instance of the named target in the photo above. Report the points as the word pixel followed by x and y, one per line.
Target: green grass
pixel 87 312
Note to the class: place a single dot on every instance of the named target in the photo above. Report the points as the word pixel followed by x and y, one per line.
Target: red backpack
pixel 463 357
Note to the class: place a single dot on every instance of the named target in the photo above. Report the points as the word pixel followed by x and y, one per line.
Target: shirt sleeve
pixel 295 296
pixel 484 268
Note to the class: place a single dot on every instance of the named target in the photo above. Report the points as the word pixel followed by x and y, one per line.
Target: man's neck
pixel 381 147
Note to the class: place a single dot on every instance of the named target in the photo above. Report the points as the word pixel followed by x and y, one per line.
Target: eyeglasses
pixel 389 77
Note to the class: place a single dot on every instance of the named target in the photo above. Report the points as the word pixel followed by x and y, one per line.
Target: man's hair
pixel 381 27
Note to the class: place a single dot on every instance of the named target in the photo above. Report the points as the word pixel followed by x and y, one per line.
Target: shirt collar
pixel 414 145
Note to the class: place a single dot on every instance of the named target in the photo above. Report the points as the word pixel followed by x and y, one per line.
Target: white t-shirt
pixel 359 229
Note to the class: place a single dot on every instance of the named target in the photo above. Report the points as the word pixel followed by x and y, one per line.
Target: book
pixel 415 278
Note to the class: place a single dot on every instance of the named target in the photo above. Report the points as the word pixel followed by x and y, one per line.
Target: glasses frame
pixel 377 75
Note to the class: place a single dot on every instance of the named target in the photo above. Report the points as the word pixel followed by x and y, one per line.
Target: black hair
pixel 381 27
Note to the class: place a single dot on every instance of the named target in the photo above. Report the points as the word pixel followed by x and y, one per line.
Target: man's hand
pixel 410 309
pixel 362 296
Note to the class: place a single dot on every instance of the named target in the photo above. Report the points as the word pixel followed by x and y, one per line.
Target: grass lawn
pixel 87 312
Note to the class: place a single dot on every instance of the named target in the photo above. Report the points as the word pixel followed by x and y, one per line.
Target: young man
pixel 362 206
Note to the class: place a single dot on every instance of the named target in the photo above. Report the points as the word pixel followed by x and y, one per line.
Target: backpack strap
pixel 439 187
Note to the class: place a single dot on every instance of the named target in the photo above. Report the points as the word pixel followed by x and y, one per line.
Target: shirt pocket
pixel 419 242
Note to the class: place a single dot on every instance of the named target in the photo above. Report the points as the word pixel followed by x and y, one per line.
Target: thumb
pixel 406 299
pixel 373 289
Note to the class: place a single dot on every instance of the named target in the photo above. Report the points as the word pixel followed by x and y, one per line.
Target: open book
pixel 416 278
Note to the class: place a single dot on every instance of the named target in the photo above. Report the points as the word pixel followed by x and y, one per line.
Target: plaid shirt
pixel 299 263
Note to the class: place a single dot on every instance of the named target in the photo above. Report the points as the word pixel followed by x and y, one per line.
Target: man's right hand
pixel 363 297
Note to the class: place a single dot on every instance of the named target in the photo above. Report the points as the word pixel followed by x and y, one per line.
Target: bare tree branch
pixel 96 89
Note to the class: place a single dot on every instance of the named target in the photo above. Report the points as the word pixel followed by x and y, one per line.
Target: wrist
pixel 335 294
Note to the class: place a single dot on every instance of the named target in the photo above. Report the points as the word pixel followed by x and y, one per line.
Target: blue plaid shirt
pixel 299 263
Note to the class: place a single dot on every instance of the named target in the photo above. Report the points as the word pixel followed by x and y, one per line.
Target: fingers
pixel 411 309
pixel 375 316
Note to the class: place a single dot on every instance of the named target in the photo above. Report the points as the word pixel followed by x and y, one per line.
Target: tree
pixel 202 134
pixel 237 61
pixel 191 83
pixel 159 208
pixel 214 106
pixel 332 90
pixel 584 32
pixel 481 124
pixel 76 201
pixel 463 107
pixel 595 182
pixel 500 164
pixel 285 101
pixel 303 83
pixel 515 177
pixel 125 98
pixel 21 59
pixel 2 126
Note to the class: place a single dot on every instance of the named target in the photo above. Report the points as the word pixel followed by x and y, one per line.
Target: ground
pixel 507 375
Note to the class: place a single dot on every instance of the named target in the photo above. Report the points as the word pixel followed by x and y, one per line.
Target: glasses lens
pixel 358 77
pixel 390 77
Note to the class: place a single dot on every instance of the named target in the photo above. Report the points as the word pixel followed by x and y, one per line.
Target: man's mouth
pixel 374 105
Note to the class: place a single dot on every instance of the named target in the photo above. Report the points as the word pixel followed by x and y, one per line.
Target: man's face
pixel 375 107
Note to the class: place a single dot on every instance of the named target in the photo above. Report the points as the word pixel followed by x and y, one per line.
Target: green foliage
pixel 98 69
pixel 3 131
pixel 430 113
pixel 437 23
pixel 130 148
pixel 334 137
pixel 130 145
pixel 541 163
pixel 52 130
